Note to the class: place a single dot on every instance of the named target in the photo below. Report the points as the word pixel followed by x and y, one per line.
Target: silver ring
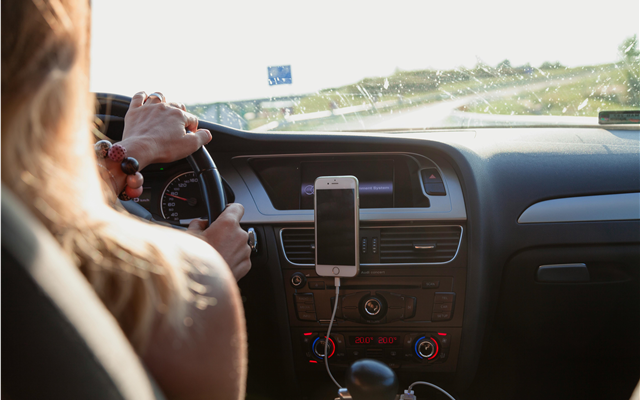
pixel 158 95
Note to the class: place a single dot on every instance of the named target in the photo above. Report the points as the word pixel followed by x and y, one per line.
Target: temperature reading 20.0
pixel 387 339
pixel 375 340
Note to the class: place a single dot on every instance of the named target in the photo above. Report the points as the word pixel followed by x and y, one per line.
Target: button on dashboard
pixel 433 183
pixel 351 313
pixel 338 340
pixel 443 297
pixel 307 316
pixel 445 341
pixel 431 284
pixel 431 175
pixel 409 307
pixel 305 307
pixel 395 314
pixel 435 189
pixel 441 316
pixel 303 297
pixel 393 300
pixel 316 285
pixel 443 307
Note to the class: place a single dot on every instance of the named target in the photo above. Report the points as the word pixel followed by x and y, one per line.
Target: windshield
pixel 366 65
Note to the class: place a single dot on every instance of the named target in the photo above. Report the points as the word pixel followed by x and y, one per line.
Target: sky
pixel 203 51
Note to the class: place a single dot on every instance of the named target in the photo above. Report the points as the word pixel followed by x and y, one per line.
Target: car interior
pixel 504 263
pixel 498 219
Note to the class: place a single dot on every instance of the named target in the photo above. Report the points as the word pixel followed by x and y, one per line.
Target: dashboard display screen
pixel 385 341
pixel 376 180
pixel 336 227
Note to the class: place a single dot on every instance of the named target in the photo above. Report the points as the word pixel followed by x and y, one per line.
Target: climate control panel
pixel 394 348
pixel 411 322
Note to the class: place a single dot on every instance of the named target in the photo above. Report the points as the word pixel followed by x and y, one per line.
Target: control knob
pixel 372 306
pixel 426 348
pixel 298 280
pixel 318 347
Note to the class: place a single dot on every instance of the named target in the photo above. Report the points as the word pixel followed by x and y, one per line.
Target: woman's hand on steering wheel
pixel 156 131
pixel 227 237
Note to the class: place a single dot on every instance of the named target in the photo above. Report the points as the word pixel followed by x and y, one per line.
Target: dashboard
pixel 495 262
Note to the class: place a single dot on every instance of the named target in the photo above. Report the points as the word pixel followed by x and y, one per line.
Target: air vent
pixel 398 245
pixel 299 245
pixel 419 245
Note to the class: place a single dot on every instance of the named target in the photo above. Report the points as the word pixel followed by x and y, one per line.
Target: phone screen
pixel 336 227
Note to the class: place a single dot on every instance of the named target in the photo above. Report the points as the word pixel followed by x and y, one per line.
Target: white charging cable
pixel 408 394
pixel 326 340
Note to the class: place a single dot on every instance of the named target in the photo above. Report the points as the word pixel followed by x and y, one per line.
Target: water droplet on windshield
pixel 582 105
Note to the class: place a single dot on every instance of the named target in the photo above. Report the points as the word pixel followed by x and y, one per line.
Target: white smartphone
pixel 337 226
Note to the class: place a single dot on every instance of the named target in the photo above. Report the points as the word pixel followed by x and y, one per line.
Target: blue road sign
pixel 279 75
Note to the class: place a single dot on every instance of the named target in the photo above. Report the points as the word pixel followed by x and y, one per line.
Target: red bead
pixel 117 153
pixel 133 192
pixel 136 180
pixel 129 165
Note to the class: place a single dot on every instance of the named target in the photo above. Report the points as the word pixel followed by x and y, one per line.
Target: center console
pixel 406 306
pixel 406 314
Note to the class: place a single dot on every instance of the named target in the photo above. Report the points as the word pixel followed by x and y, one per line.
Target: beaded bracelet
pixel 128 165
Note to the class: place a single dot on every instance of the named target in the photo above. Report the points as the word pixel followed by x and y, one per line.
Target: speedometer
pixel 182 200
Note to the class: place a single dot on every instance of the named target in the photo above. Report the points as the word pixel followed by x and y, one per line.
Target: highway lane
pixel 445 113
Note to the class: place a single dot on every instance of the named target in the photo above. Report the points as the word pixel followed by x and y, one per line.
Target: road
pixel 446 114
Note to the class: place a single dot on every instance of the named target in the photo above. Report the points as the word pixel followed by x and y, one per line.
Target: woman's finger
pixel 193 141
pixel 197 225
pixel 204 136
pixel 155 98
pixel 234 211
pixel 190 122
pixel 138 100
pixel 178 105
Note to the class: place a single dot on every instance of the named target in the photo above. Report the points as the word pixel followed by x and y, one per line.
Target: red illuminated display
pixel 375 340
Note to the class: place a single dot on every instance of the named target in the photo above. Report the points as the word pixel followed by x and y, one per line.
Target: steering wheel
pixel 115 107
pixel 210 183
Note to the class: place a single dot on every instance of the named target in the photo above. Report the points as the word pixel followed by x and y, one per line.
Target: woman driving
pixel 173 294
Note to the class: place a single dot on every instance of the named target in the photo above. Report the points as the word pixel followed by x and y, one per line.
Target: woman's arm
pixel 156 131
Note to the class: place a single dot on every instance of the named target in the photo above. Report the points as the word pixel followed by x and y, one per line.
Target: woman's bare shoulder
pixel 205 351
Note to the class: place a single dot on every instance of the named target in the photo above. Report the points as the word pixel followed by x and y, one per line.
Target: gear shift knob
pixel 371 380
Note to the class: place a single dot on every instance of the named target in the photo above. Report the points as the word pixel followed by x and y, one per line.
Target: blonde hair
pixel 47 160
